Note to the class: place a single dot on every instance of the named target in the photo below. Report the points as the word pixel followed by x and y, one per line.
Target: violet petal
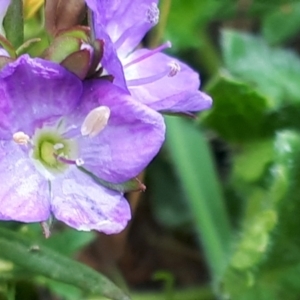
pixel 173 94
pixel 33 90
pixel 132 137
pixel 24 193
pixel 133 17
pixel 79 202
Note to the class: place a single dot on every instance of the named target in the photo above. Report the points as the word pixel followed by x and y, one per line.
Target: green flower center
pixel 51 150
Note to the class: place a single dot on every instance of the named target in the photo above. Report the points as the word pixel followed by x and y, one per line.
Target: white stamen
pixel 95 121
pixel 58 146
pixel 21 138
pixel 174 68
pixel 153 14
pixel 79 162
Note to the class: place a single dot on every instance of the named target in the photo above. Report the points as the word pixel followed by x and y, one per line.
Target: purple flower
pixel 155 79
pixel 51 125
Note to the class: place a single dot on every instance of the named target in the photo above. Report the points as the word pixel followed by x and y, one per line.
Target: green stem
pixel 159 30
pixel 208 54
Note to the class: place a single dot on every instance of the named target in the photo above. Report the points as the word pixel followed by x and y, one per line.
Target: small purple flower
pixel 155 79
pixel 51 124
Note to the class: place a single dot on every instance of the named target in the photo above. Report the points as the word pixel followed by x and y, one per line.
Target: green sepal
pixel 40 260
pixel 61 48
pixel 131 185
pixel 22 49
pixel 78 63
pixel 78 32
pixel 7 46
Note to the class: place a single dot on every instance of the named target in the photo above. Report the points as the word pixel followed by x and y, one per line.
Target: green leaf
pixel 278 276
pixel 193 162
pixel 273 71
pixel 13 23
pixel 266 257
pixel 239 112
pixel 286 249
pixel 43 261
pixel 282 23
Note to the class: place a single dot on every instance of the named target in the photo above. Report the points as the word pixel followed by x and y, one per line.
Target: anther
pixel 95 121
pixel 153 14
pixel 174 68
pixel 62 158
pixel 79 162
pixel 21 138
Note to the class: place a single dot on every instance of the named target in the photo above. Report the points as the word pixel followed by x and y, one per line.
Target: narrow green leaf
pixel 13 23
pixel 193 162
pixel 42 261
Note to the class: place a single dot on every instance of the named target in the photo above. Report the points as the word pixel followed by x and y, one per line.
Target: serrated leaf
pixel 238 112
pixel 274 72
pixel 266 259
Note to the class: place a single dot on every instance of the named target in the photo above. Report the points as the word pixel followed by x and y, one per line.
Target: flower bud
pixel 60 15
